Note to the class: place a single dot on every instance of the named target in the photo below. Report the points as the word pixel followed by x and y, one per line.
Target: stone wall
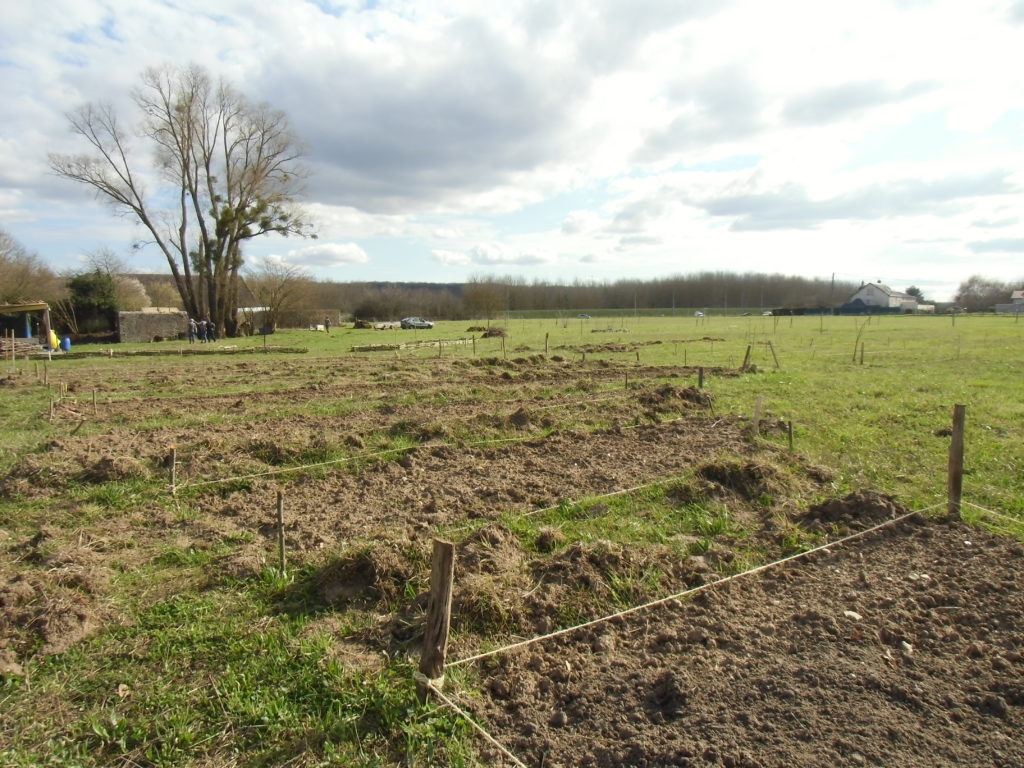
pixel 154 324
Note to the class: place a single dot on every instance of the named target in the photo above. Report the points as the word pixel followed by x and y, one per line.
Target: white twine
pixel 1018 520
pixel 479 728
pixel 688 592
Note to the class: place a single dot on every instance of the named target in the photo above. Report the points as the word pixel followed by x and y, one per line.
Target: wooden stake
pixel 439 614
pixel 546 343
pixel 700 377
pixel 46 373
pixel 280 533
pixel 94 402
pixel 789 432
pixel 862 353
pixel 955 482
pixel 474 346
pixel 746 358
pixel 757 415
pixel 174 471
pixel 51 409
pixel 638 355
pixel 774 356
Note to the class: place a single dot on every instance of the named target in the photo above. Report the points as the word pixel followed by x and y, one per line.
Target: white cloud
pixel 451 258
pixel 326 255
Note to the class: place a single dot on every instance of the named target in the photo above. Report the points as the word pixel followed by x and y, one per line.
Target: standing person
pixel 327 324
pixel 192 330
pixel 202 331
pixel 211 330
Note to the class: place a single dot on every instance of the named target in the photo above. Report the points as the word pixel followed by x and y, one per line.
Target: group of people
pixel 204 330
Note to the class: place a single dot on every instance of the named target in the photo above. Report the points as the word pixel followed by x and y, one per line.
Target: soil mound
pixel 748 480
pixel 520 419
pixel 28 473
pixel 49 608
pixel 855 511
pixel 492 549
pixel 111 468
pixel 374 574
pixel 667 396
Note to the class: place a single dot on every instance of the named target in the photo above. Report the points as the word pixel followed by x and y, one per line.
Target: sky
pixel 566 140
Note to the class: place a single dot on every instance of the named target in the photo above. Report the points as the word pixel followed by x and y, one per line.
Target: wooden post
pixel 174 470
pixel 474 346
pixel 504 352
pixel 746 358
pixel 51 408
pixel 546 343
pixel 862 353
pixel 627 381
pixel 280 533
pixel 638 355
pixel 439 614
pixel 94 402
pixel 440 346
pixel 955 482
pixel 789 432
pixel 700 377
pixel 774 356
pixel 37 371
pixel 757 416
pixel 46 373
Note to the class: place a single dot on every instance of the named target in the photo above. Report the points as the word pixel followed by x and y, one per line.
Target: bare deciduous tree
pixel 277 286
pixel 230 167
pixel 23 275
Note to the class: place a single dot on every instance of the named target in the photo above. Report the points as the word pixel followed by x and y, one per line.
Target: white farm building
pixel 878 295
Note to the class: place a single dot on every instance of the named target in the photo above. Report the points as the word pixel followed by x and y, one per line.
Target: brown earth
pixel 903 648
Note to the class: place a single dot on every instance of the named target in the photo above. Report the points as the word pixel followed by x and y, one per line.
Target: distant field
pixel 573 462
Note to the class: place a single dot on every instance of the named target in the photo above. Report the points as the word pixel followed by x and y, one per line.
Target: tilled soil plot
pixel 902 648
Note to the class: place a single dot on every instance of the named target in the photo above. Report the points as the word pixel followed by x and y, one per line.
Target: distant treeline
pixel 491 297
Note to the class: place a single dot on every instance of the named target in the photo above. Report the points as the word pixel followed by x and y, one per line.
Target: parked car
pixel 416 322
pixel 583 316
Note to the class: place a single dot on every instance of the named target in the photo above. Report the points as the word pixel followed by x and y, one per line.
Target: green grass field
pixel 186 665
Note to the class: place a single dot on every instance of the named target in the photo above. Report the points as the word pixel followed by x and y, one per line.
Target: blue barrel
pixel 65 344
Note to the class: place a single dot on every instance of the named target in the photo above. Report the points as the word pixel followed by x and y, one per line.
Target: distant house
pixel 1016 303
pixel 876 295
